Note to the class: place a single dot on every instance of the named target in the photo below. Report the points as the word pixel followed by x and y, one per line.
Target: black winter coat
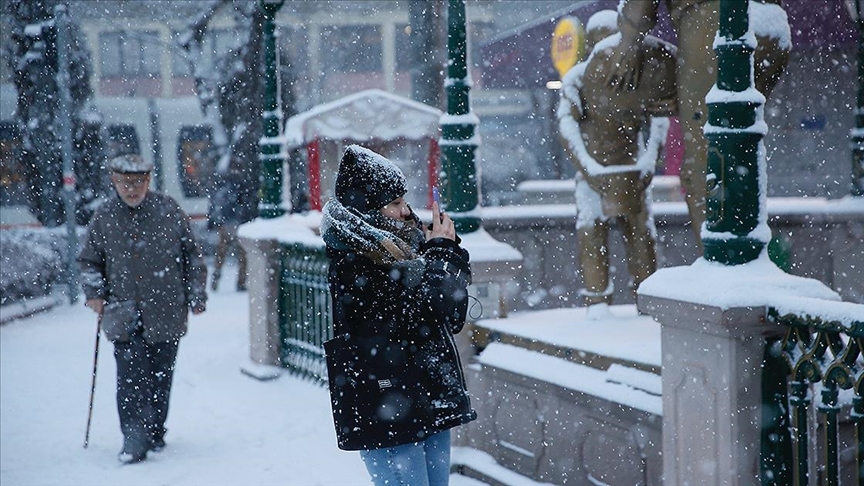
pixel 418 316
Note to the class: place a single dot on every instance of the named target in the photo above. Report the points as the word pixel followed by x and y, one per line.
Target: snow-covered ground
pixel 224 428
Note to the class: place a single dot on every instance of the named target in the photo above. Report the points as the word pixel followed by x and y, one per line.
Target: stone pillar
pixel 263 261
pixel 712 399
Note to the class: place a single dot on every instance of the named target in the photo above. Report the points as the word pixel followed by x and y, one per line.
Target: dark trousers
pixel 144 375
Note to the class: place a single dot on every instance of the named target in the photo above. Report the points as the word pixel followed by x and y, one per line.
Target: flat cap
pixel 130 164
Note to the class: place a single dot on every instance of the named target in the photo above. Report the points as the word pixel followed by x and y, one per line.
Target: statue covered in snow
pixel 602 131
pixel 695 23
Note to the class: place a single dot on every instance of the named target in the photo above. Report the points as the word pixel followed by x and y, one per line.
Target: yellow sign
pixel 568 44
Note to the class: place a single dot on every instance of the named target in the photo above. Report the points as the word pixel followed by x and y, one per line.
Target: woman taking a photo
pixel 399 293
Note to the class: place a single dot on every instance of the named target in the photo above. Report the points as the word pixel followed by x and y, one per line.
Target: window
pixel 293 44
pixel 7 72
pixel 404 58
pixel 216 44
pixel 179 58
pixel 13 180
pixel 121 139
pixel 130 53
pixel 352 49
pixel 479 32
pixel 196 157
pixel 222 41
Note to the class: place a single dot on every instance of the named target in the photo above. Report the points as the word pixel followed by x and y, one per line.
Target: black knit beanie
pixel 367 181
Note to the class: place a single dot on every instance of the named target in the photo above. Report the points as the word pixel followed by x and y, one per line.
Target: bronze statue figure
pixel 695 23
pixel 601 130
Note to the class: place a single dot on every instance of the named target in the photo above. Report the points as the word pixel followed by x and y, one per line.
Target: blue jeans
pixel 425 463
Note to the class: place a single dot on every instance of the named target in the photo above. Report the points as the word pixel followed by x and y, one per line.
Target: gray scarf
pixel 383 240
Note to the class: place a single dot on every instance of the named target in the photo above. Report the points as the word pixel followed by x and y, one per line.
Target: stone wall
pixel 556 435
pixel 562 399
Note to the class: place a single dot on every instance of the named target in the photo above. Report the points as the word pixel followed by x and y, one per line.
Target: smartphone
pixel 436 196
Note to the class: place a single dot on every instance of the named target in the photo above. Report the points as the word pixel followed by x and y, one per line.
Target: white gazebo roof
pixel 363 116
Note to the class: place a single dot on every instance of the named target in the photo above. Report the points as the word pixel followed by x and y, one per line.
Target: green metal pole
pixel 271 153
pixel 458 129
pixel 858 419
pixel 858 131
pixel 800 401
pixel 830 408
pixel 736 228
pixel 776 449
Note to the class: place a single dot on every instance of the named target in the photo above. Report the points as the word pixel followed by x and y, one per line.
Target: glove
pixel 197 307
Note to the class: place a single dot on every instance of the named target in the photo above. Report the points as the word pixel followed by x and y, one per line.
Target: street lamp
pixel 270 147
pixel 736 228
pixel 458 128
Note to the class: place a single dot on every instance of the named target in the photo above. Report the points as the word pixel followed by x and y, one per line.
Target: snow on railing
pixel 822 351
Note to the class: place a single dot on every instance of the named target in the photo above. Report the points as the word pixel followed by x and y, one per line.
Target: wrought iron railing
pixel 818 354
pixel 305 316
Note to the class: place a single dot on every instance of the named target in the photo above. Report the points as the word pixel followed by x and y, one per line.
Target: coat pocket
pixel 120 320
pixel 375 388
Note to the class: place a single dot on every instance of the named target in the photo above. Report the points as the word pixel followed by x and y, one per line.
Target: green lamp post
pixel 270 146
pixel 458 128
pixel 736 229
pixel 858 131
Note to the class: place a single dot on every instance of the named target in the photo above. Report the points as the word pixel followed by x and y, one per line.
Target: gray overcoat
pixel 147 254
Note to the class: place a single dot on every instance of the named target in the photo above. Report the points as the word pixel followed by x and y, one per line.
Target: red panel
pixel 433 169
pixel 313 151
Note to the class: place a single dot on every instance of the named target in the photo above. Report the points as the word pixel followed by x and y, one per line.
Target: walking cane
pixel 93 383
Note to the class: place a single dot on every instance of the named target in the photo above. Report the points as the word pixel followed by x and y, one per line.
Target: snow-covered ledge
pixel 262 239
pixel 713 331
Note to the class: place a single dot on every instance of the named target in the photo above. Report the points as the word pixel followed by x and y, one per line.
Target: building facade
pixel 144 88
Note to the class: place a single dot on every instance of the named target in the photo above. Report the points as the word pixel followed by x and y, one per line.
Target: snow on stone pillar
pixel 263 261
pixel 262 249
pixel 712 313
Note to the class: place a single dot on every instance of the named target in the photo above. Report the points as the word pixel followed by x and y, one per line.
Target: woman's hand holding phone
pixel 442 226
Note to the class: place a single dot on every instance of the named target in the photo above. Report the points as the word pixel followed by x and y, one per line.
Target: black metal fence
pixel 305 316
pixel 818 357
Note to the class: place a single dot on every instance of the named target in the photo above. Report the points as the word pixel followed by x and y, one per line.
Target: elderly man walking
pixel 142 271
